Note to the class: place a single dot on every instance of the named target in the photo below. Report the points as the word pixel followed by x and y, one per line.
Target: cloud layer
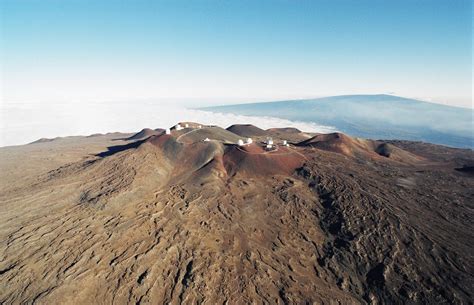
pixel 27 122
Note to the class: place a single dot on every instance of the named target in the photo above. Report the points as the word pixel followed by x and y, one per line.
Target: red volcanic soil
pixel 395 153
pixel 145 133
pixel 167 145
pixel 173 219
pixel 228 160
pixel 336 142
pixel 247 130
pixel 252 149
pixel 192 162
pixel 354 147
pixel 255 161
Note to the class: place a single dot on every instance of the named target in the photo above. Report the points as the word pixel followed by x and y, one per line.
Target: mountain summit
pixel 200 214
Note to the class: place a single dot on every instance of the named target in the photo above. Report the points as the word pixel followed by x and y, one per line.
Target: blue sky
pixel 218 51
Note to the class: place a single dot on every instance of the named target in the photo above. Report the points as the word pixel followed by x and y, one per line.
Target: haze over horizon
pixel 234 52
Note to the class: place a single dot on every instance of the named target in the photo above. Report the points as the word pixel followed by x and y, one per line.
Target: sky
pixel 213 52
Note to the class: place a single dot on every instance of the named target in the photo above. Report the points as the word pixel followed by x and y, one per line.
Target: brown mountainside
pixel 192 217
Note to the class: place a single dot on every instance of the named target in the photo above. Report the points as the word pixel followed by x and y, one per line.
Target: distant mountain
pixel 373 116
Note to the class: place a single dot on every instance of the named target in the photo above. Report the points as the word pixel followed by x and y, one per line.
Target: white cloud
pixel 22 123
pixel 264 122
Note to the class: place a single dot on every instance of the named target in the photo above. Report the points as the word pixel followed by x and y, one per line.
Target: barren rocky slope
pixel 175 219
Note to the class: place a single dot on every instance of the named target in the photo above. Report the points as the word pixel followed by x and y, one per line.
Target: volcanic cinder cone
pixel 192 217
